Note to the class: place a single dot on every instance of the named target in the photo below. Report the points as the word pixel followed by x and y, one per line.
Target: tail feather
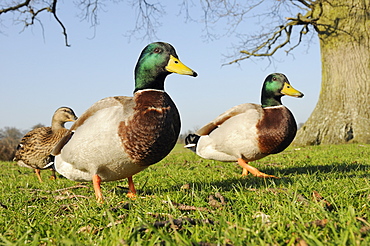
pixel 191 142
pixel 50 163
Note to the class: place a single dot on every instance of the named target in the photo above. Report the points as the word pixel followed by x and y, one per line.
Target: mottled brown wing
pixel 35 147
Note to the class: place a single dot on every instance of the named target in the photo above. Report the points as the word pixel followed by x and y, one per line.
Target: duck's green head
pixel 156 61
pixel 275 86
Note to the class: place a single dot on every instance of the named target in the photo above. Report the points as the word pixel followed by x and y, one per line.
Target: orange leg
pixel 245 171
pixel 247 168
pixel 53 176
pixel 96 183
pixel 37 171
pixel 131 187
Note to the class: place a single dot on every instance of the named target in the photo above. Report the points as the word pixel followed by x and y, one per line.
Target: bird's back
pixel 35 147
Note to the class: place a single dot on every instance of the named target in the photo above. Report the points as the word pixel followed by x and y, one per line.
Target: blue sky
pixel 39 73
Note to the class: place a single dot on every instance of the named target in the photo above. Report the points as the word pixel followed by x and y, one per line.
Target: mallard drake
pixel 120 136
pixel 249 132
pixel 35 147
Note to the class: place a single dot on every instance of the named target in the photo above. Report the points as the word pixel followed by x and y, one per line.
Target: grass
pixel 322 198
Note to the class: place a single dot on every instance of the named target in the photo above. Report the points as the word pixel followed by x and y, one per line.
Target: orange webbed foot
pixel 254 171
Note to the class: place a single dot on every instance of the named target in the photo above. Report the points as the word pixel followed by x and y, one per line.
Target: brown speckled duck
pixel 249 132
pixel 120 136
pixel 35 147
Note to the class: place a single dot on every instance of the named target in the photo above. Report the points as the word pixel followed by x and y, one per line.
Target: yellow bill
pixel 290 91
pixel 176 66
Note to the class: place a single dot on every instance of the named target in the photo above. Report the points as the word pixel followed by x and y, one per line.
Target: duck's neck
pixel 56 125
pixel 270 101
pixel 149 77
pixel 149 83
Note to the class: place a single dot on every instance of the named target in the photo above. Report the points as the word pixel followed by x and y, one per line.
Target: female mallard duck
pixel 249 132
pixel 120 136
pixel 35 147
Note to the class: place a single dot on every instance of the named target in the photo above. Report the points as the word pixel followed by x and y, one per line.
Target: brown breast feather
pixel 276 130
pixel 152 131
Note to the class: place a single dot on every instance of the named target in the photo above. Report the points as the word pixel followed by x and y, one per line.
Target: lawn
pixel 321 198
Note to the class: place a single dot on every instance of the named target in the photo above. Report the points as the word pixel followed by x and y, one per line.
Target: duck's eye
pixel 274 78
pixel 157 50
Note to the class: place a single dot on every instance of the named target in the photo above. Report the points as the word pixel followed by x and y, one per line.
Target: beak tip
pixel 195 74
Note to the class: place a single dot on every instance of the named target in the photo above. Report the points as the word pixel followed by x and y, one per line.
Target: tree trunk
pixel 342 114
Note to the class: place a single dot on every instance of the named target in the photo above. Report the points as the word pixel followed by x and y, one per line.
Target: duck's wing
pixel 34 146
pixel 126 103
pixel 236 110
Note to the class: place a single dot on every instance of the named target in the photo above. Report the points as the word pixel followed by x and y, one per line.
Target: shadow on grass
pixel 334 167
pixel 284 174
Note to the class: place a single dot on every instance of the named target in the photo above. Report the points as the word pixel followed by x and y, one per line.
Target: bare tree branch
pixel 90 9
pixel 268 44
pixel 54 11
pixel 147 20
pixel 31 11
pixel 282 36
pixel 230 12
pixel 16 7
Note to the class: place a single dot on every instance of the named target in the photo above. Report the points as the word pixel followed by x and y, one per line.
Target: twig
pixel 275 42
pixel 184 207
pixel 54 11
pixel 317 197
pixel 72 187
pixel 31 14
pixel 176 224
pixel 70 197
pixel 16 7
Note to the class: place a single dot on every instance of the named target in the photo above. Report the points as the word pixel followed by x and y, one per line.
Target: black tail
pixel 50 162
pixel 191 142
